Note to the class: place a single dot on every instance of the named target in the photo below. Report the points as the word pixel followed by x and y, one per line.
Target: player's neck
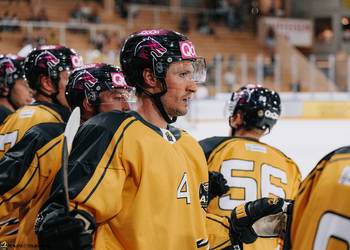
pixel 4 102
pixel 149 111
pixel 40 97
pixel 253 133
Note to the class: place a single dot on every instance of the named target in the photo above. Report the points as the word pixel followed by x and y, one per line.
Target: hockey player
pixel 141 180
pixel 14 89
pixel 251 168
pixel 46 69
pixel 27 170
pixel 321 213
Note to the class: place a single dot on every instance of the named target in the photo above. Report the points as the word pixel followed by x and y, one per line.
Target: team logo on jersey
pixel 149 48
pixel 45 59
pixel 203 194
pixel 7 66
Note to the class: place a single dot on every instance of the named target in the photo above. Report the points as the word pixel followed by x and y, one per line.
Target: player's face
pixel 180 86
pixel 21 94
pixel 62 88
pixel 116 99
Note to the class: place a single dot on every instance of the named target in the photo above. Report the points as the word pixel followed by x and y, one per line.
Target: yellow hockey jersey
pixel 253 170
pixel 11 132
pixel 27 171
pixel 146 187
pixel 321 213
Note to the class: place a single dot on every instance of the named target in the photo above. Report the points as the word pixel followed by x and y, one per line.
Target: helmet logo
pixel 271 115
pixel 150 32
pixel 149 47
pixel 89 80
pixel 46 58
pixel 187 50
pixel 9 67
pixel 76 60
pixel 118 80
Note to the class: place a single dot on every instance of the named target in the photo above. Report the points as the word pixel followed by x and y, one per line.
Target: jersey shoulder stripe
pixel 210 144
pixel 62 111
pixel 89 146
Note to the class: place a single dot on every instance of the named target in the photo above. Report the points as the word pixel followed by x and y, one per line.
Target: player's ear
pixel 4 91
pixel 46 85
pixel 151 81
pixel 88 109
pixel 236 120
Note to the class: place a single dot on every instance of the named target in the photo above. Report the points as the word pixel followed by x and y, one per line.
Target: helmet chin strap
pixel 156 97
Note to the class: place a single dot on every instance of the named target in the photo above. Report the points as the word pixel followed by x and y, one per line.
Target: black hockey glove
pixel 58 230
pixel 217 185
pixel 264 217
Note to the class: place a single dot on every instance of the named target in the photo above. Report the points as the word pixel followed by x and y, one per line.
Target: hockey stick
pixel 69 133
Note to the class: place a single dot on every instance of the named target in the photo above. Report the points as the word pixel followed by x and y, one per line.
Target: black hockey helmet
pixel 157 49
pixel 91 79
pixel 11 69
pixel 260 107
pixel 49 60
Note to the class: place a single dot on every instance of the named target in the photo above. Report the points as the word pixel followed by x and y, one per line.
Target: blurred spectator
pixel 184 25
pixel 121 8
pixel 52 38
pixel 42 16
pixel 203 25
pixel 94 18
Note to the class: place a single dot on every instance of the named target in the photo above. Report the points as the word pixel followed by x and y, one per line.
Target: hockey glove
pixel 217 185
pixel 58 230
pixel 264 217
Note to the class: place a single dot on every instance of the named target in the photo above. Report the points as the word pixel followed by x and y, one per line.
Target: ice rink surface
pixel 305 141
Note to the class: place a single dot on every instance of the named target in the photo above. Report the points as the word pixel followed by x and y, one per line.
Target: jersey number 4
pixel 249 184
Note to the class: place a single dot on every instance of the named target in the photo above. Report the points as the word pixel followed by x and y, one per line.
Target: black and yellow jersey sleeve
pixel 321 214
pixel 253 170
pixel 26 117
pixel 142 184
pixel 26 173
pixel 4 113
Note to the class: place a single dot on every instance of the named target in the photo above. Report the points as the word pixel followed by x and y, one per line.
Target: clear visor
pixel 128 97
pixel 200 70
pixel 191 69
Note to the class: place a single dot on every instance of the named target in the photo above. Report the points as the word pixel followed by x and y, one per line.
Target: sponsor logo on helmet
pixel 149 47
pixel 150 32
pixel 76 60
pixel 89 80
pixel 45 59
pixel 272 115
pixel 187 50
pixel 118 80
pixel 7 67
